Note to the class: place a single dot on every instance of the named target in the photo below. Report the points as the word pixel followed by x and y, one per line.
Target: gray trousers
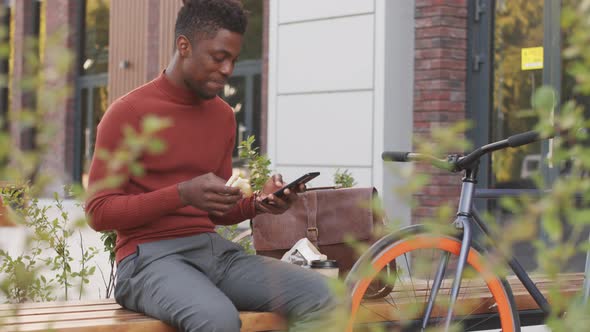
pixel 199 283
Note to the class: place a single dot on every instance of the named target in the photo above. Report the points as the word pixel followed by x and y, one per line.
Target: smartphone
pixel 301 180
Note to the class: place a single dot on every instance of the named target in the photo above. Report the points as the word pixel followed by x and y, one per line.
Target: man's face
pixel 210 61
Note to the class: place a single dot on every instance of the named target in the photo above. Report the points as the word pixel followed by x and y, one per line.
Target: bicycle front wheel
pixel 484 297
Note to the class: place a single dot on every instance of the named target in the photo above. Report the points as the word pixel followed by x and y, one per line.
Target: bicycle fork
pixel 463 221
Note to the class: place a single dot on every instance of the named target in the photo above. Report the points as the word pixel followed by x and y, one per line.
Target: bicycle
pixel 457 254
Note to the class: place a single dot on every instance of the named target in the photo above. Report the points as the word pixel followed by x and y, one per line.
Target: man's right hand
pixel 209 193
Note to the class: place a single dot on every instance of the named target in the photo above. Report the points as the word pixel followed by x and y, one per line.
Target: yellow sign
pixel 532 58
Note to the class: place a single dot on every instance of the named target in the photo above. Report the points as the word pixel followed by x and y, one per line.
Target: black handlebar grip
pixel 523 138
pixel 395 156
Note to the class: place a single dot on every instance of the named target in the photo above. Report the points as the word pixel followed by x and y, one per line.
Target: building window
pixel 29 95
pixel 95 48
pixel 4 69
pixel 519 30
pixel 243 90
pixel 92 94
pixel 515 80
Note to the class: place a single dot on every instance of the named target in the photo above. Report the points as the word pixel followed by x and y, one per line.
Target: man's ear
pixel 183 46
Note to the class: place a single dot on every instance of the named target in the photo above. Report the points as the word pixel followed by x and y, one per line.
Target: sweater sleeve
pixel 112 208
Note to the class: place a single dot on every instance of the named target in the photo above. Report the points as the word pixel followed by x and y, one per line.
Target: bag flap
pixel 339 213
pixel 345 213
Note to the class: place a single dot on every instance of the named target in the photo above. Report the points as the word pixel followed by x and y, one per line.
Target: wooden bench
pixel 106 315
pixel 102 316
pixel 382 311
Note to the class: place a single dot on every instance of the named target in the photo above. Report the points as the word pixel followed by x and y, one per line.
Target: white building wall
pixel 331 103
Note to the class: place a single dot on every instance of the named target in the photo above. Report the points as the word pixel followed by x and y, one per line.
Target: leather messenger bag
pixel 327 217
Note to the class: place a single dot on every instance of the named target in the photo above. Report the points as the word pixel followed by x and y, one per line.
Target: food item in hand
pixel 237 181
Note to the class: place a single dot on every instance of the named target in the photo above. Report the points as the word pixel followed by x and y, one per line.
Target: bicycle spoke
pixel 411 278
pixel 392 303
pixel 479 323
pixel 428 280
pixel 376 313
pixel 474 310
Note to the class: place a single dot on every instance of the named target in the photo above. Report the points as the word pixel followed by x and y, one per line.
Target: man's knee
pixel 324 301
pixel 216 318
pixel 319 300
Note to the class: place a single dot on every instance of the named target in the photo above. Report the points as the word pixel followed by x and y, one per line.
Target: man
pixel 171 263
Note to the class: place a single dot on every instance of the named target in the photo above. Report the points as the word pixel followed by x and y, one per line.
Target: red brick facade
pixel 439 90
pixel 61 17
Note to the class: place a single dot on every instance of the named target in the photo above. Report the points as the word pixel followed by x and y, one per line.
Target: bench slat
pixel 53 310
pixel 56 304
pixel 141 324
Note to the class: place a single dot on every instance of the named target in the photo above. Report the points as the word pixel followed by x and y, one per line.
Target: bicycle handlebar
pixel 523 138
pixel 412 156
pixel 401 157
pixel 454 163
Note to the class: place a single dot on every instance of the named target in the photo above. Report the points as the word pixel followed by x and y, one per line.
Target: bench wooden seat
pixel 106 315
pixel 102 316
pixel 388 309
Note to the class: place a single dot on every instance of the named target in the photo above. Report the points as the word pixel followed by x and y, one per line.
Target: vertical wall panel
pixel 168 11
pixel 128 42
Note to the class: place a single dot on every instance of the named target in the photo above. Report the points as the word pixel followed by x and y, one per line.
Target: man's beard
pixel 205 96
pixel 199 91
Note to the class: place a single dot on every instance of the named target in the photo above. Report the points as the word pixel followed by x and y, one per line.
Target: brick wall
pixel 61 16
pixel 439 93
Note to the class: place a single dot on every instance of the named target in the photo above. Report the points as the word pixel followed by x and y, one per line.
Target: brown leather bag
pixel 326 217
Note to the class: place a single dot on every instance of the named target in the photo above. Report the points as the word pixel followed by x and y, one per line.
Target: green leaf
pixel 136 169
pixel 545 99
pixel 156 146
pixel 152 124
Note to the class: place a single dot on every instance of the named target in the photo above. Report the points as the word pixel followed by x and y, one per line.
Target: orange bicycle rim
pixel 436 242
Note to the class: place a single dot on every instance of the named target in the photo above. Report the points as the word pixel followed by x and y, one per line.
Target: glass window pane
pixel 95 51
pixel 569 92
pixel 234 94
pixel 518 27
pixel 92 113
pixel 252 46
pixel 4 69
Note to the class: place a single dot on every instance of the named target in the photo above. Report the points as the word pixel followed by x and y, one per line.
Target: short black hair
pixel 208 16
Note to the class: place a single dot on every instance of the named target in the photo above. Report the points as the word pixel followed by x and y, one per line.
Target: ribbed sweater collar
pixel 178 93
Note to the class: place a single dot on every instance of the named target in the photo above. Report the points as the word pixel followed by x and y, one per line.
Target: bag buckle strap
pixel 313 229
pixel 312 235
pixel 311 205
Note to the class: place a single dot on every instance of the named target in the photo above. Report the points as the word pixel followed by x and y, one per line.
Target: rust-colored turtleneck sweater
pixel 148 208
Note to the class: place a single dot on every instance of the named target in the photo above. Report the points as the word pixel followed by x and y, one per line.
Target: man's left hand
pixel 276 205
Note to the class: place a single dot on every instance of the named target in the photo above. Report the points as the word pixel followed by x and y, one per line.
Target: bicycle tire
pixel 411 240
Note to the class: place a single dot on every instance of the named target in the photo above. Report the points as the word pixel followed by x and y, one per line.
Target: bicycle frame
pixel 517 268
pixel 467 217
